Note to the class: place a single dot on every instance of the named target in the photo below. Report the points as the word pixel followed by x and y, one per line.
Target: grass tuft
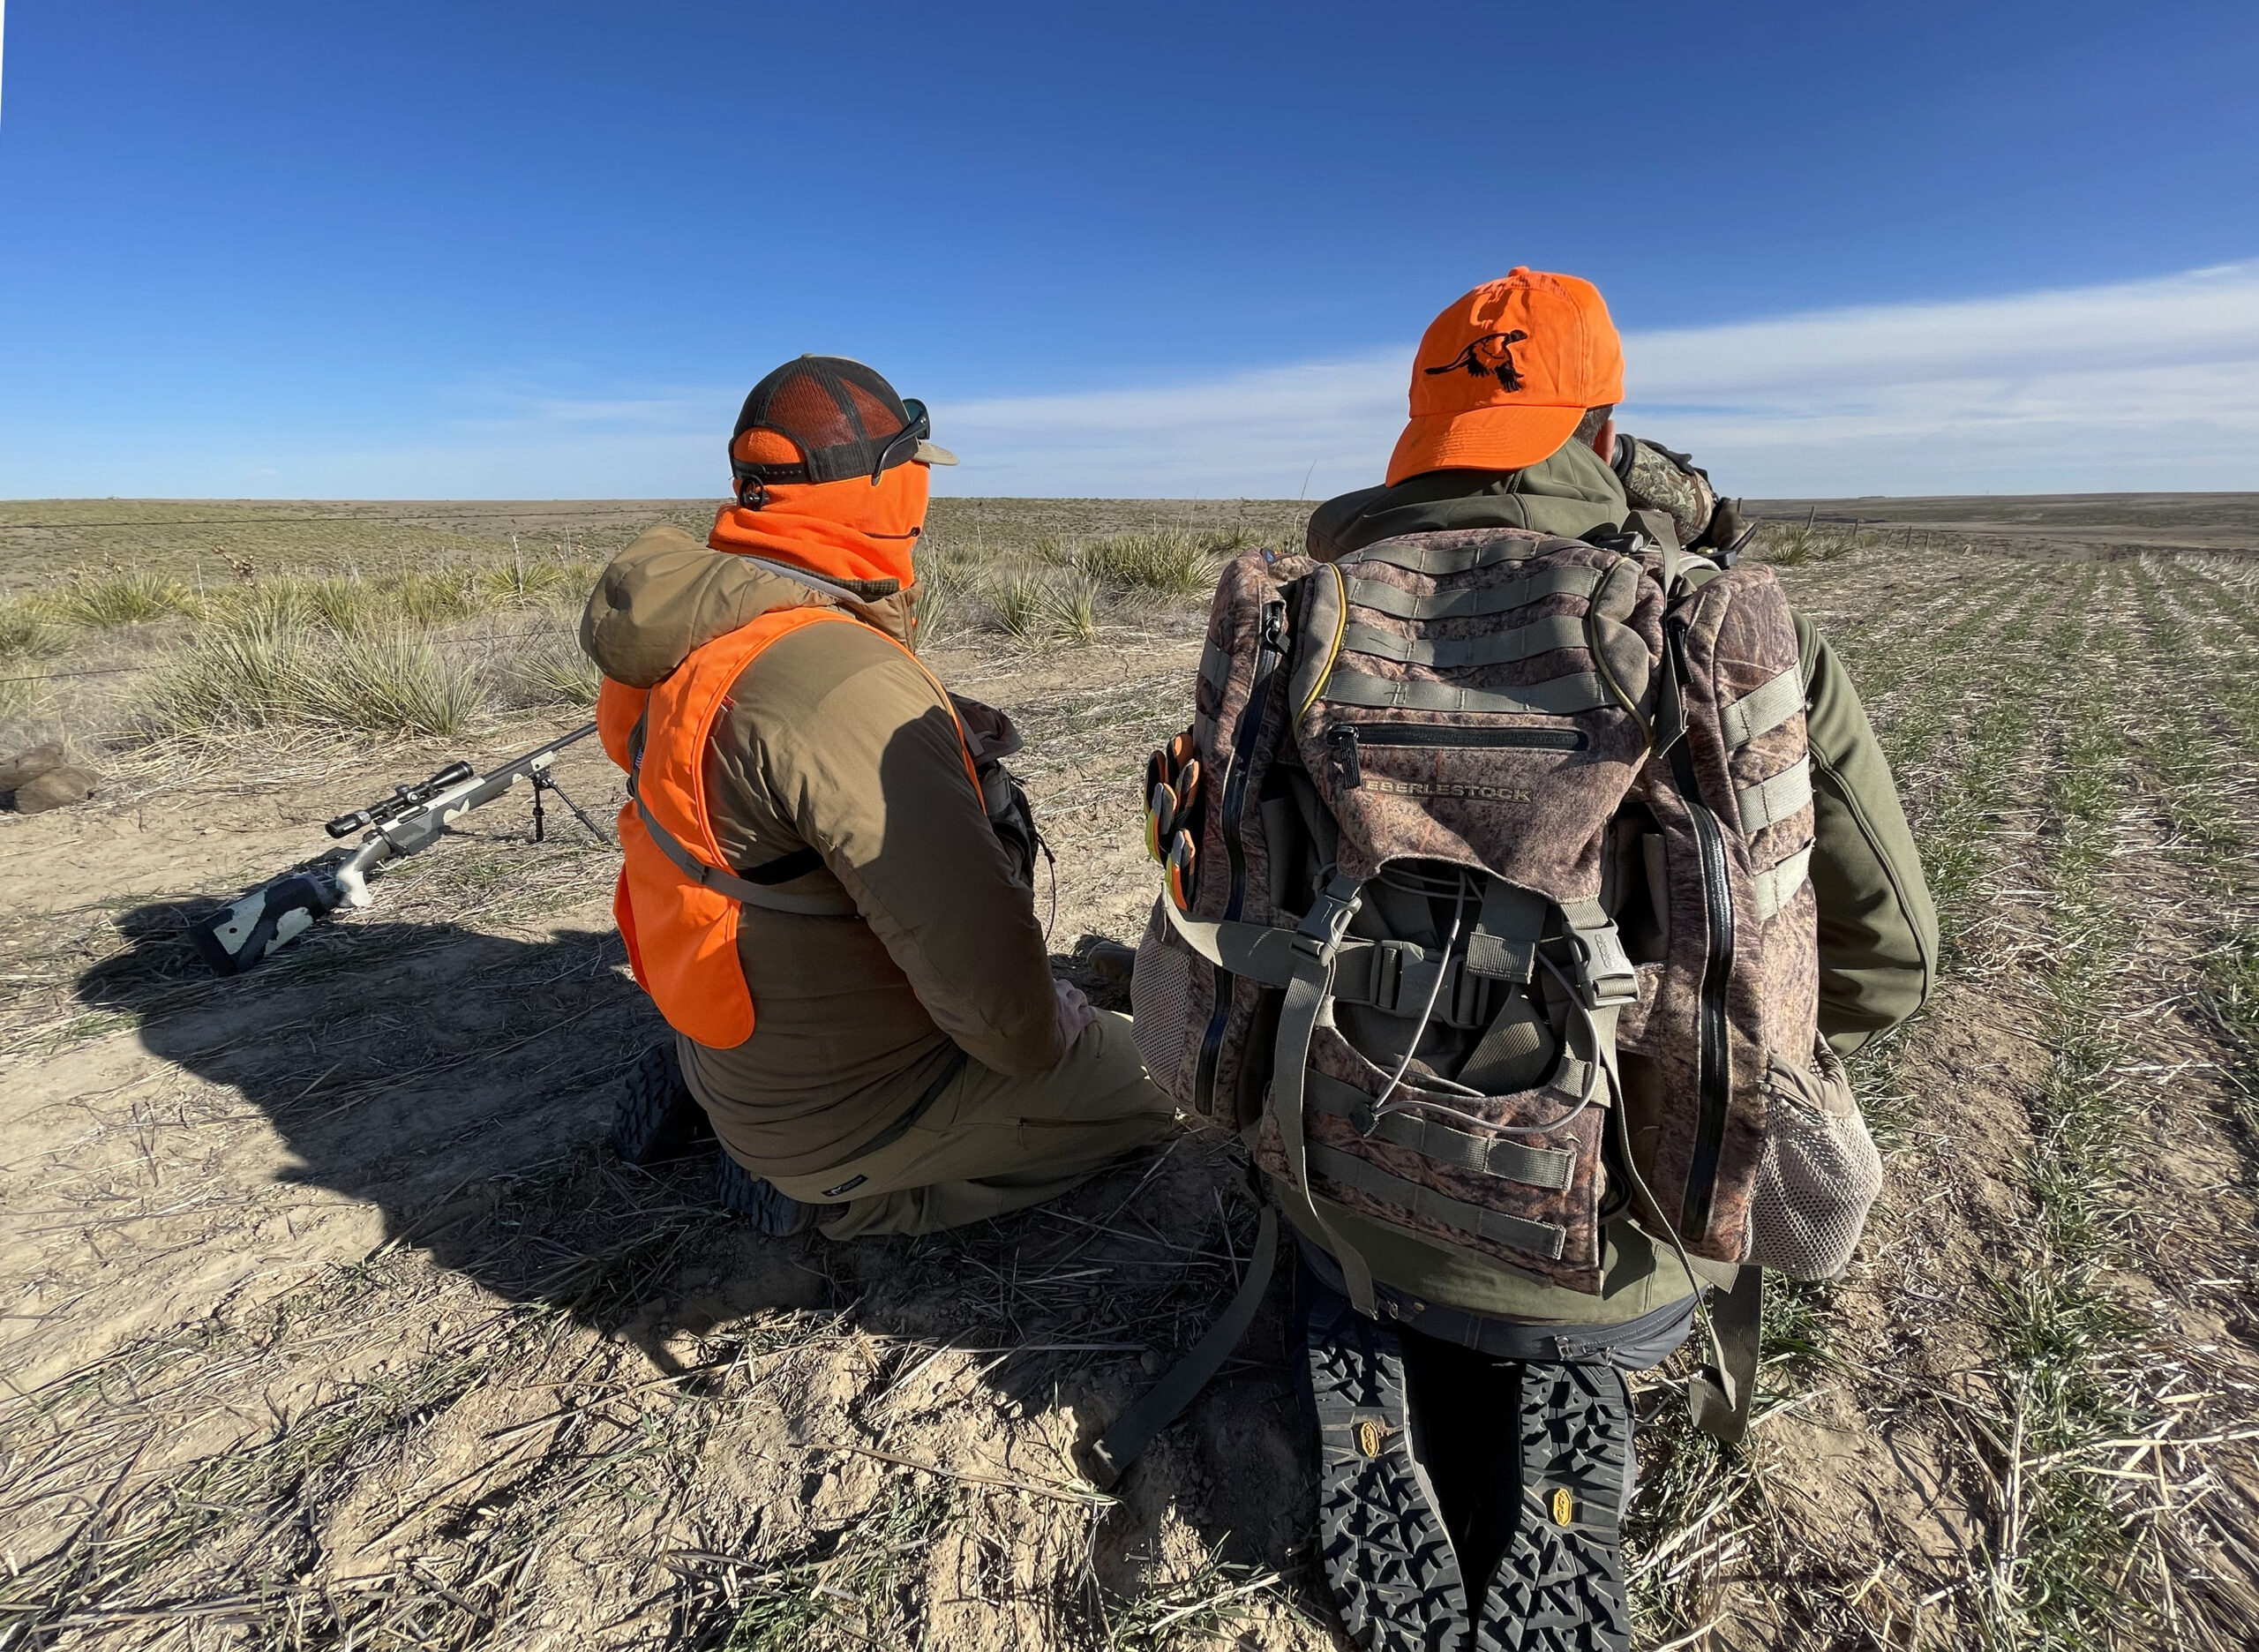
pixel 1795 545
pixel 1212 1604
pixel 1167 562
pixel 24 633
pixel 553 671
pixel 269 675
pixel 125 597
pixel 20 693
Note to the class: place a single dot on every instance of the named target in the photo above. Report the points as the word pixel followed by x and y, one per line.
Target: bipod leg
pixel 581 814
pixel 540 824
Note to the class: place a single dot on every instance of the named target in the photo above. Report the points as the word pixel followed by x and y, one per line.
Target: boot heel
pixel 1388 1558
pixel 1560 1587
pixel 656 1118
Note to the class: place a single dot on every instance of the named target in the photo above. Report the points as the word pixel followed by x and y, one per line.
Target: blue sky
pixel 515 250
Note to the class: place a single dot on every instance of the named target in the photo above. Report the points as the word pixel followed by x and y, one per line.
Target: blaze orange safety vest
pixel 677 901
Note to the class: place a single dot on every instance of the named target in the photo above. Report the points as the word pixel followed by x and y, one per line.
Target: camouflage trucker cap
pixel 825 418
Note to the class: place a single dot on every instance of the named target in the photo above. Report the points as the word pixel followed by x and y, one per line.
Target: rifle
pixel 409 821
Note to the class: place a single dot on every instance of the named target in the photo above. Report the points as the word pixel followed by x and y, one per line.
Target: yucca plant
pixel 127 597
pixel 1167 562
pixel 1072 604
pixel 264 674
pixel 553 671
pixel 1022 606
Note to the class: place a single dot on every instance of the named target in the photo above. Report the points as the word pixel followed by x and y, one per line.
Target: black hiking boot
pixel 1112 963
pixel 741 1193
pixel 1559 1586
pixel 1388 1558
pixel 657 1118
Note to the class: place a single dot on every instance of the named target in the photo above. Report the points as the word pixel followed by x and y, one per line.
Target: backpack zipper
pixel 1245 736
pixel 1713 1083
pixel 1343 740
pixel 1432 734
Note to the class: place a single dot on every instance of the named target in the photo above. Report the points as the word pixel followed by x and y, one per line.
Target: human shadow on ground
pixel 462 1083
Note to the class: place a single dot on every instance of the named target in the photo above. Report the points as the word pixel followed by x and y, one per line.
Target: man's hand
pixel 1725 526
pixel 1076 1016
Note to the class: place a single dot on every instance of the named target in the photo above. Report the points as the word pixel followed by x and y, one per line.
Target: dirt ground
pixel 327 1319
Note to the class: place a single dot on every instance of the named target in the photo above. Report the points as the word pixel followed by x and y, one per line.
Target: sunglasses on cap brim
pixel 920 426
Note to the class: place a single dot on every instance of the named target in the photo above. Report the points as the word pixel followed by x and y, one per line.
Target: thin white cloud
pixel 2150 384
pixel 1276 432
pixel 2140 385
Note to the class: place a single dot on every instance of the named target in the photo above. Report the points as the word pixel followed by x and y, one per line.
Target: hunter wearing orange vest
pixel 827 888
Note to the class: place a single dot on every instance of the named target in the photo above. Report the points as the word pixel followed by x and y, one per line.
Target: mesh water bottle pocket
pixel 1161 1007
pixel 1820 1173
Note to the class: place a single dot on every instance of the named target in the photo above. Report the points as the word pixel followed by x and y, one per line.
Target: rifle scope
pixel 402 799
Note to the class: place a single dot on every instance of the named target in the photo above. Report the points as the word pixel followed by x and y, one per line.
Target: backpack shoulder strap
pixel 1164 1402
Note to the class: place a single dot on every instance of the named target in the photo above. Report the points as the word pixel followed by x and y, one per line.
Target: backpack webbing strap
pixel 1475 601
pixel 1164 1402
pixel 1578 691
pixel 1393 977
pixel 1545 1239
pixel 1491 1155
pixel 1764 707
pixel 1317 942
pixel 737 887
pixel 1504 944
pixel 1776 886
pixel 1398 978
pixel 1775 799
pixel 1258 952
pixel 1499 648
pixel 1720 1395
pixel 1658 526
pixel 1433 560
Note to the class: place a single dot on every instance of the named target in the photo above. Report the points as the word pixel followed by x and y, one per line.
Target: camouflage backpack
pixel 1487 909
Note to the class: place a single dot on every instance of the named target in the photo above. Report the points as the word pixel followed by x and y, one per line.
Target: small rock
pixel 56 788
pixel 25 767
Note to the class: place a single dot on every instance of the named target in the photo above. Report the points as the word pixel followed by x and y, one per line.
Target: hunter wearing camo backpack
pixel 1530 869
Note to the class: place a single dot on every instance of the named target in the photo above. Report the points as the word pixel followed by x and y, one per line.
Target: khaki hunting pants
pixel 988 1144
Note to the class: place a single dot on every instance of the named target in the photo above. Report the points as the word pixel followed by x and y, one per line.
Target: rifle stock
pixel 263 922
pixel 244 935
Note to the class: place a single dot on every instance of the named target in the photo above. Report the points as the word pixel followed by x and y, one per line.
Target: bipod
pixel 544 781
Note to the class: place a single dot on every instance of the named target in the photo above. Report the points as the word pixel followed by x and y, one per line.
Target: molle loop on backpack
pixel 1323 620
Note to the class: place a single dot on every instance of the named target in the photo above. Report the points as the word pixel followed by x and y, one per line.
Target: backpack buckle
pixel 1388 977
pixel 1319 937
pixel 1605 976
pixel 1470 997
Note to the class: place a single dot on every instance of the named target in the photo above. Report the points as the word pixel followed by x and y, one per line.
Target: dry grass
pixel 295 616
pixel 269 674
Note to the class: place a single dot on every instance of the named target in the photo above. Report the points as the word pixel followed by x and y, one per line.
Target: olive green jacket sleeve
pixel 1877 929
pixel 860 759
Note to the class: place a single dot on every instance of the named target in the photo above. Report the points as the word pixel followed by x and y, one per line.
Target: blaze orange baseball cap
pixel 1505 374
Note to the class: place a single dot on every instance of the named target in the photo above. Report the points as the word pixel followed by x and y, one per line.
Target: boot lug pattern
pixel 1387 1556
pixel 1560 1587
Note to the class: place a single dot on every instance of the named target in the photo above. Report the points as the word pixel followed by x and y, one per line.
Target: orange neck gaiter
pixel 844 530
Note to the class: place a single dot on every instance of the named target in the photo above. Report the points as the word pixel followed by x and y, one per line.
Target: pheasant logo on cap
pixel 1490 354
